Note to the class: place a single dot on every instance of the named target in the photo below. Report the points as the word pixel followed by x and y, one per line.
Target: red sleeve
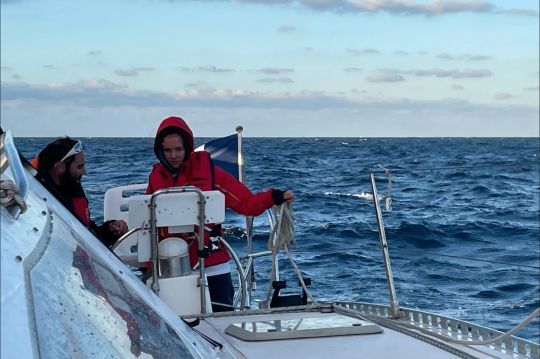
pixel 152 179
pixel 238 197
pixel 149 189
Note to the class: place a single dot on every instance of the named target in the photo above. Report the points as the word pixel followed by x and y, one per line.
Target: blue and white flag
pixel 226 153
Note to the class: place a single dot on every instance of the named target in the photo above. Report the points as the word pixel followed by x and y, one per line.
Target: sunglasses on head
pixel 77 147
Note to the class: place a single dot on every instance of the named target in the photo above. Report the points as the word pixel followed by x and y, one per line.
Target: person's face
pixel 173 150
pixel 77 168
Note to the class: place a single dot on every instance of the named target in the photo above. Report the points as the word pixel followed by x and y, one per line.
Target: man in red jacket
pixel 180 166
pixel 61 165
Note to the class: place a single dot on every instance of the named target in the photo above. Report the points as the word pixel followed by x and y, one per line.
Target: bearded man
pixel 61 165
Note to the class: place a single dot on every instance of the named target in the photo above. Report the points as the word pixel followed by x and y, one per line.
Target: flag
pixel 226 153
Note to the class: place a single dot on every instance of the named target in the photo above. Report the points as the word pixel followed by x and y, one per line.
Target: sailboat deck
pixel 386 344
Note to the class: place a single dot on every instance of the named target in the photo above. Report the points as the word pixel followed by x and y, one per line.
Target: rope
pixel 281 237
pixel 283 231
pixel 9 196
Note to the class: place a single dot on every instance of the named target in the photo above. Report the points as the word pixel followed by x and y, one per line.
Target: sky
pixel 279 68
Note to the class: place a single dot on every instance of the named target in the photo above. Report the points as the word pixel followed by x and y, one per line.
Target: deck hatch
pixel 301 327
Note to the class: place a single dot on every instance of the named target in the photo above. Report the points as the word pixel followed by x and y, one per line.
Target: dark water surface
pixel 454 200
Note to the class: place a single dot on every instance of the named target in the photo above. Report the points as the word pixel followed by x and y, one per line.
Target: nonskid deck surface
pixel 387 344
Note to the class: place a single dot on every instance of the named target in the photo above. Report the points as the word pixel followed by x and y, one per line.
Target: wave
pixel 362 195
pixel 515 287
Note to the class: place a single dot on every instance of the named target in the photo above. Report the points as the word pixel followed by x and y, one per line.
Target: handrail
pixel 449 327
pixel 19 174
pixel 121 239
pixel 241 274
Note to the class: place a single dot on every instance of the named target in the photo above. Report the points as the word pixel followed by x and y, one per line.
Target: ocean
pixel 463 229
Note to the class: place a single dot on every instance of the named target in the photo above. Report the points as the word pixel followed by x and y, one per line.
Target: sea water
pixel 462 226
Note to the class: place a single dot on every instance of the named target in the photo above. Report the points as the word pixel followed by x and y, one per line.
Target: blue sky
pixel 359 68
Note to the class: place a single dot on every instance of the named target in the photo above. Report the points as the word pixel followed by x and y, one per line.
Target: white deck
pixel 389 344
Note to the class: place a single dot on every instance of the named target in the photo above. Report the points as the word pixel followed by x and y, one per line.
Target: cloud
pixel 286 28
pixel 16 77
pixel 401 7
pixel 274 71
pixel 456 87
pixel 464 57
pixel 401 53
pixel 394 7
pixel 88 93
pixel 204 68
pixel 50 67
pixel 398 7
pixel 198 84
pixel 352 69
pixel 356 52
pixel 524 12
pixel 212 68
pixel 502 96
pixel 395 75
pixel 103 93
pixel 106 94
pixel 535 88
pixel 134 71
pixel 456 74
pixel 6 68
pixel 93 53
pixel 385 76
pixel 281 80
pixel 86 108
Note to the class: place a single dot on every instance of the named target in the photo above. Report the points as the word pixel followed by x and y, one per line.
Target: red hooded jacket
pixel 197 170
